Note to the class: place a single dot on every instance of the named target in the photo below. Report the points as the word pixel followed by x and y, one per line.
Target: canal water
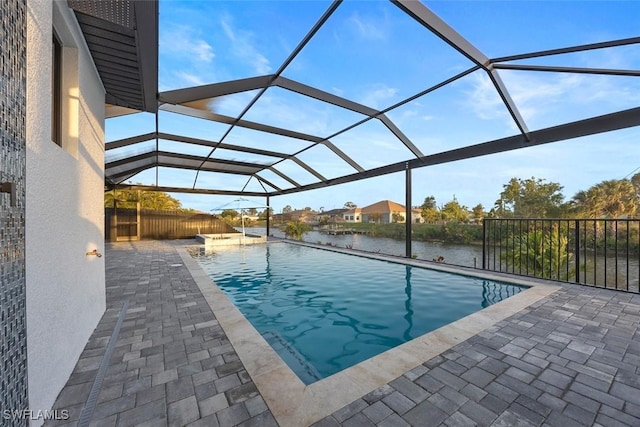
pixel 456 254
pixel 464 255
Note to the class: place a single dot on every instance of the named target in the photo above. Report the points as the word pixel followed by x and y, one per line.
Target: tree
pixel 350 205
pixel 287 209
pixel 430 210
pixel 478 212
pixel 121 199
pixel 296 229
pixel 155 200
pixel 608 199
pixel 530 198
pixel 635 181
pixel 453 211
pixel 158 201
pixel 499 210
pixel 229 214
pixel 577 205
pixel 397 217
pixel 429 202
pixel 265 212
pixel 542 253
pixel 323 220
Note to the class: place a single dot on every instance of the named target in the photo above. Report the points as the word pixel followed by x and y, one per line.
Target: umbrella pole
pixel 242 220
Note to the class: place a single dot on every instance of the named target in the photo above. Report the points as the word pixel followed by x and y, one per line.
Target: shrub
pixel 296 229
pixel 543 253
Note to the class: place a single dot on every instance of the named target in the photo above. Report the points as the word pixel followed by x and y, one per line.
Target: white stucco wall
pixel 64 204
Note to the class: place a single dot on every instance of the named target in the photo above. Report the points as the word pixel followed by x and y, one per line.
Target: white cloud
pixel 610 90
pixel 621 57
pixel 367 28
pixel 409 114
pixel 543 98
pixel 387 145
pixel 203 51
pixel 242 46
pixel 414 114
pixel 540 96
pixel 536 95
pixel 189 78
pixel 280 112
pixel 232 105
pixel 532 96
pixel 378 95
pixel 182 41
pixel 483 99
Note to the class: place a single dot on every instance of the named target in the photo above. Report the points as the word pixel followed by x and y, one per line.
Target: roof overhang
pixel 122 36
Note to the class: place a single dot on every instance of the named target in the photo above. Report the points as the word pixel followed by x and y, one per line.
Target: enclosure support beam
pixel 591 126
pixel 440 28
pixel 268 215
pixel 407 221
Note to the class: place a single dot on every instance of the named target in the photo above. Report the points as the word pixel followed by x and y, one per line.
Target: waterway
pixel 466 255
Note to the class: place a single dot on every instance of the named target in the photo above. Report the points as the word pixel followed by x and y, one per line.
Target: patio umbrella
pixel 241 205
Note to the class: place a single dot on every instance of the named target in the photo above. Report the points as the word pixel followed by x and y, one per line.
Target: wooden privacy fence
pixel 131 224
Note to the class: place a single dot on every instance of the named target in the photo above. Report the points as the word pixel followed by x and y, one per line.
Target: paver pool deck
pixel 572 357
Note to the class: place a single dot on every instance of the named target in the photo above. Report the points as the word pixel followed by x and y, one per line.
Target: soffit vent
pixel 122 36
pixel 117 11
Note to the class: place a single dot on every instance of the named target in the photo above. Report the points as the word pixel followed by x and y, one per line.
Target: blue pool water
pixel 323 311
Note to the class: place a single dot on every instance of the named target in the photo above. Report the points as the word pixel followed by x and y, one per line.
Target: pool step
pixel 296 361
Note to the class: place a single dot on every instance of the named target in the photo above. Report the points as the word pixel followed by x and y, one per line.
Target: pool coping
pixel 293 403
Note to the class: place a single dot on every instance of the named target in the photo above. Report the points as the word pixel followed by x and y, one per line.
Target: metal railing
pixel 594 252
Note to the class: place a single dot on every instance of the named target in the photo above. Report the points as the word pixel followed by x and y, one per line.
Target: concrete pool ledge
pixel 294 404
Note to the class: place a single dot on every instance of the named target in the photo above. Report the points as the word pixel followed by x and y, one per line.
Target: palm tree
pixel 158 201
pixel 154 200
pixel 542 253
pixel 121 199
pixel 608 199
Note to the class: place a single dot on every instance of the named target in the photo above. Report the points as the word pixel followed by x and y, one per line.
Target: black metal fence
pixel 123 224
pixel 594 252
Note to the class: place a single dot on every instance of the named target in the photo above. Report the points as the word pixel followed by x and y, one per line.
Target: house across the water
pixel 383 212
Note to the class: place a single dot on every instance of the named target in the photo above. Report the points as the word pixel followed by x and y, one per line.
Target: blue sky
pixel 373 53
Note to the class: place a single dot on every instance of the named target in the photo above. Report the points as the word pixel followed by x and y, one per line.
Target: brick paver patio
pixel 572 359
pixel 172 364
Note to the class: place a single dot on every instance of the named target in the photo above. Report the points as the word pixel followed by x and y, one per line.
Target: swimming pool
pixel 324 311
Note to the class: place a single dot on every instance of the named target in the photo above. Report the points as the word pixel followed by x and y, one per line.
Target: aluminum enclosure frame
pixel 193 102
